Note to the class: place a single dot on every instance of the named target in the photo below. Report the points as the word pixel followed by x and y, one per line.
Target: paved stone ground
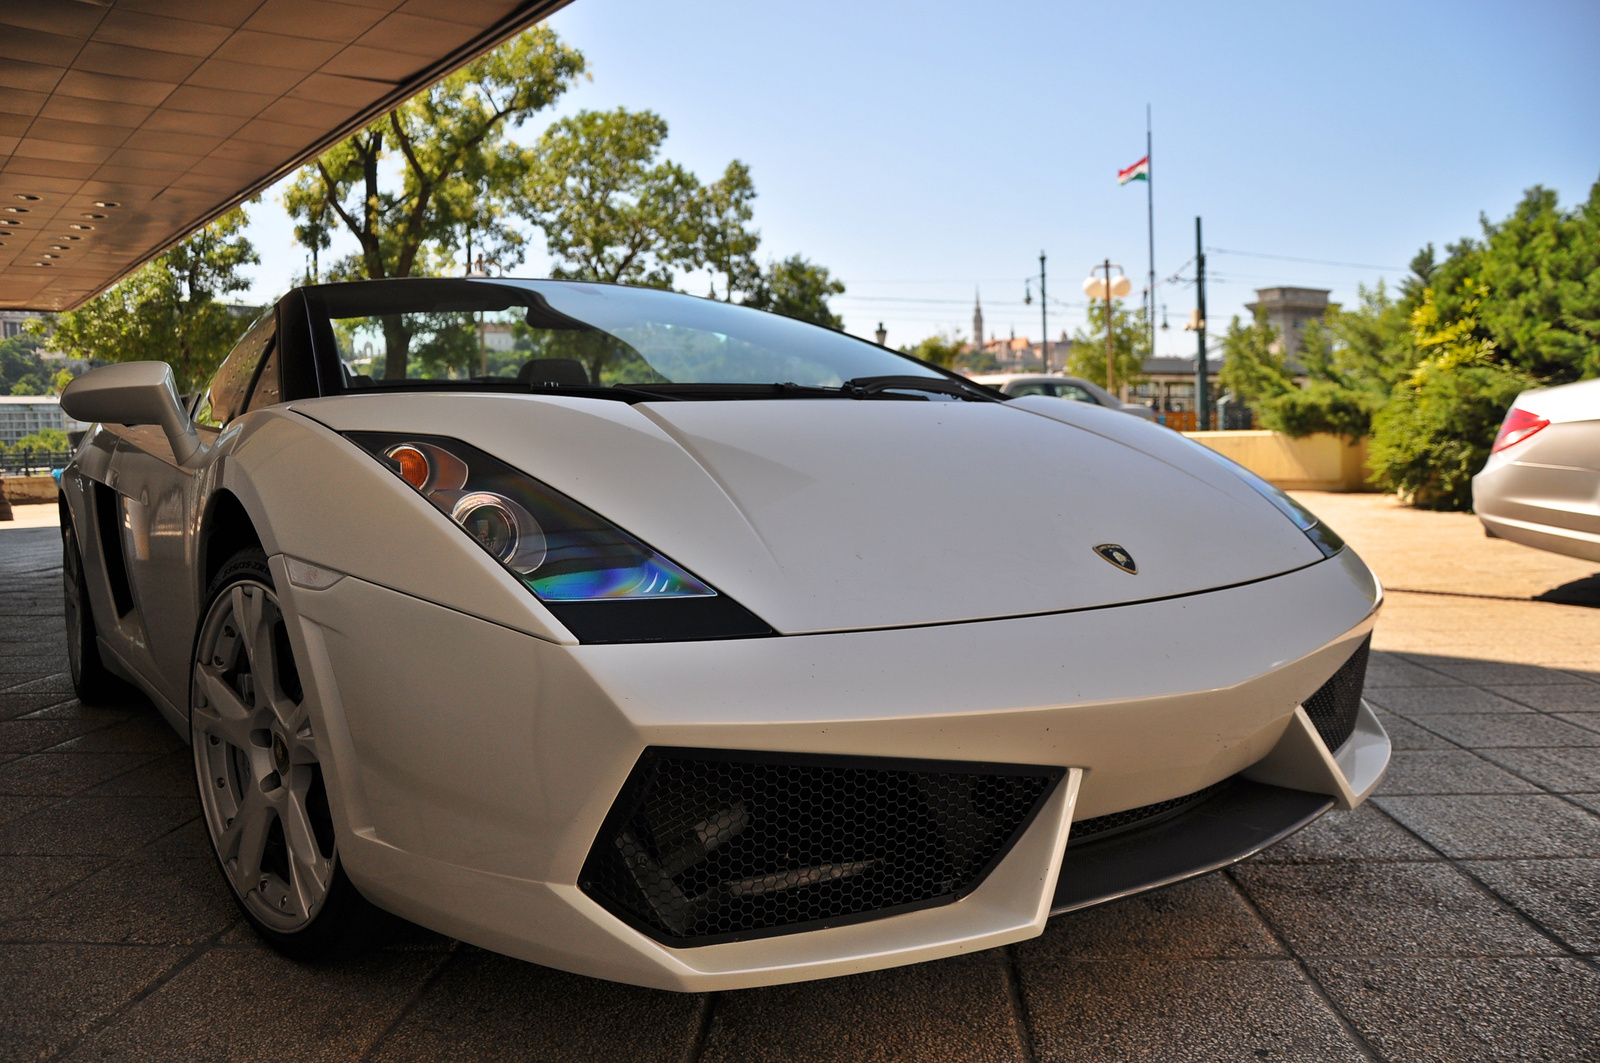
pixel 1453 917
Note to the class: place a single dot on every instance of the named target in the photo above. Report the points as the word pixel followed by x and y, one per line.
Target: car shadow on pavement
pixel 1453 916
pixel 1585 591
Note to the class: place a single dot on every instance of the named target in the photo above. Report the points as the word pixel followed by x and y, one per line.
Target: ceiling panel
pixel 127 124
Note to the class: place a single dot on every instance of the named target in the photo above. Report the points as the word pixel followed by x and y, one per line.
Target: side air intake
pixel 706 846
pixel 1334 706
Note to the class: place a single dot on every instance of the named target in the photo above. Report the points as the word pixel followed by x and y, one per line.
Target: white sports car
pixel 1541 484
pixel 671 642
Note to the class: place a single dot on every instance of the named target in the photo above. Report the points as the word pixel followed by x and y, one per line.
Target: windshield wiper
pixel 866 387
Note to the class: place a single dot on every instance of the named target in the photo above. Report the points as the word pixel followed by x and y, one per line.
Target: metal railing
pixel 30 462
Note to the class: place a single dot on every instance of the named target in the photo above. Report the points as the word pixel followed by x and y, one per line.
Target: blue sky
pixel 922 150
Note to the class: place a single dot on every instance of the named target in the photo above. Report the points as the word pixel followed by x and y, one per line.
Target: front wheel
pixel 258 765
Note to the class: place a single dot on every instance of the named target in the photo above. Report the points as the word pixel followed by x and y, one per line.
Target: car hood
pixel 829 515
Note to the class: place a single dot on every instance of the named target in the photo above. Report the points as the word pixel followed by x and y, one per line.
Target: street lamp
pixel 1107 288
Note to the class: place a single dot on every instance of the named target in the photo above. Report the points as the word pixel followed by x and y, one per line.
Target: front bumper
pixel 471 766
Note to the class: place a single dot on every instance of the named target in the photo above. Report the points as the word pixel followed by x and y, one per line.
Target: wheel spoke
pixel 224 713
pixel 243 844
pixel 312 872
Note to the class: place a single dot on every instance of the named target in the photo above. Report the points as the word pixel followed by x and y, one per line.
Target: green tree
pixel 946 350
pixel 1130 345
pixel 459 175
pixel 1254 368
pixel 611 210
pixel 797 288
pixel 727 243
pixel 22 371
pixel 168 310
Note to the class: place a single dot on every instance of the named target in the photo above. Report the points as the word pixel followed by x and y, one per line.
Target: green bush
pixel 1432 438
pixel 1320 407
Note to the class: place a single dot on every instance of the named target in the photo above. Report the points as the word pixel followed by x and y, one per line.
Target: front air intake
pixel 706 846
pixel 1334 706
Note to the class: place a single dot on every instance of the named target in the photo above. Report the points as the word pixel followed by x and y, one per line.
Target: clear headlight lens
pixel 1325 538
pixel 562 551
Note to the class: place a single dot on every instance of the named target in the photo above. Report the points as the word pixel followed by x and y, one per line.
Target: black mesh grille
pixel 1334 706
pixel 705 846
pixel 1116 822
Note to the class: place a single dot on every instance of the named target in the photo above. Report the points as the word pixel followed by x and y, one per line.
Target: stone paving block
pixel 101 715
pixel 1558 770
pixel 1389 670
pixel 1466 1010
pixel 1197 919
pixel 1504 826
pixel 1408 701
pixel 1448 771
pixel 1589 721
pixel 54 646
pixel 1558 894
pixel 53 683
pixel 89 826
pixel 32 736
pixel 485 1007
pixel 1589 801
pixel 1359 909
pixel 146 900
pixel 15 806
pixel 1498 673
pixel 147 731
pixel 1551 697
pixel 1506 729
pixel 27 880
pixel 15 706
pixel 1206 1011
pixel 232 1004
pixel 64 773
pixel 1363 833
pixel 169 775
pixel 944 1010
pixel 1403 734
pixel 52 994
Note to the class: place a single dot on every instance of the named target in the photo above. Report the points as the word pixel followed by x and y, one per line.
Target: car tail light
pixel 1519 425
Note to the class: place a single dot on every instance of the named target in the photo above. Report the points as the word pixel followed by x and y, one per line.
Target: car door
pixel 161 502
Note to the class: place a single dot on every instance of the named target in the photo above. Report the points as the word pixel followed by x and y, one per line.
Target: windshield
pixel 463 334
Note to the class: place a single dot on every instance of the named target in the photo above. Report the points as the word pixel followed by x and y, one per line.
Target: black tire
pixel 92 681
pixel 346 924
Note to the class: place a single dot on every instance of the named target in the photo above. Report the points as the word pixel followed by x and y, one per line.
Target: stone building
pixel 1289 310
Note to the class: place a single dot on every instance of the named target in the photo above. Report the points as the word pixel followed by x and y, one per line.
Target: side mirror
pixel 134 393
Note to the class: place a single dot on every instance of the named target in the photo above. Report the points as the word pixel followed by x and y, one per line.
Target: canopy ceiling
pixel 127 124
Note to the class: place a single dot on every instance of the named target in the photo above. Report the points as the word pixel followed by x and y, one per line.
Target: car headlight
pixel 1325 538
pixel 604 584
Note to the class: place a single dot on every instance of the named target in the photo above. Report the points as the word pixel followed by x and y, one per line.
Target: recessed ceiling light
pixel 58 247
pixel 41 263
pixel 9 221
pixel 93 217
pixel 16 210
pixel 107 203
pixel 84 228
pixel 69 238
pixel 27 198
pixel 49 255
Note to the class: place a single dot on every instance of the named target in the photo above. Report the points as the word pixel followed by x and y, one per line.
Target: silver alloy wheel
pixel 257 761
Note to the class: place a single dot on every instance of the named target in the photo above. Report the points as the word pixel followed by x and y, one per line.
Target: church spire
pixel 977 320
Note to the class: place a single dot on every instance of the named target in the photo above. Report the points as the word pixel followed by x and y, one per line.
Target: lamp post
pixel 882 334
pixel 1106 288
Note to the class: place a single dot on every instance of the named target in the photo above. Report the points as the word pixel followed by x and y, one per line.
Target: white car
pixel 1541 484
pixel 690 646
pixel 1062 387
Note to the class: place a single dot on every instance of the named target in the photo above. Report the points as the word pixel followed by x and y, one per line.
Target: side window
pixel 268 391
pixel 1030 388
pixel 224 399
pixel 1073 391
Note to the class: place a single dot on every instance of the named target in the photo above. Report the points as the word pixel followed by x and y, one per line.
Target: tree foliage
pixel 797 288
pixel 168 310
pixel 1130 344
pixel 946 350
pixel 22 370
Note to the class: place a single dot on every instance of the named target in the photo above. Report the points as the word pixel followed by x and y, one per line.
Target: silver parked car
pixel 1061 387
pixel 1541 484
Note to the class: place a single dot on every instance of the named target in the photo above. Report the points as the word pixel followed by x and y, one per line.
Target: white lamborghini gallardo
pixel 676 643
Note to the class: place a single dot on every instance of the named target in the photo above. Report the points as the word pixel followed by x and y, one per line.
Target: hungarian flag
pixel 1139 171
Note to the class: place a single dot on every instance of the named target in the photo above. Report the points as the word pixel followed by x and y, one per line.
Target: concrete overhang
pixel 127 124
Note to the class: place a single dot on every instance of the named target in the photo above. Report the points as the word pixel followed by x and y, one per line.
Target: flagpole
pixel 1150 228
